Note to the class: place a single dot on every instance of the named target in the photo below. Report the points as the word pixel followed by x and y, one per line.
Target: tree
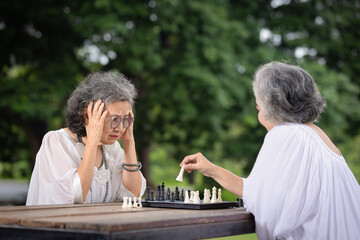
pixel 191 61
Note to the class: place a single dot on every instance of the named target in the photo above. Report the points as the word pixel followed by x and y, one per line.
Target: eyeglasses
pixel 117 120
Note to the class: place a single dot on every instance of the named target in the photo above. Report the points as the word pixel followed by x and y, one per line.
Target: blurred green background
pixel 192 63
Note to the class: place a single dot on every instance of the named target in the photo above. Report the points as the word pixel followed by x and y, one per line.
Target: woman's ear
pixel 85 116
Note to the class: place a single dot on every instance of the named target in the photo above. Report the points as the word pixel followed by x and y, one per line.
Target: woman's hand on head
pixel 198 162
pixel 95 121
pixel 128 135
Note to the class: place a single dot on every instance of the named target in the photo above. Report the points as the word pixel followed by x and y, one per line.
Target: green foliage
pixel 192 63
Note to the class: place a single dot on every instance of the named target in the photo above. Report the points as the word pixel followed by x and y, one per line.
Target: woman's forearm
pixel 86 168
pixel 131 180
pixel 228 180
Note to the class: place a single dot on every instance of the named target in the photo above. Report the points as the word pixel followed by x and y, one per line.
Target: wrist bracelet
pixel 132 165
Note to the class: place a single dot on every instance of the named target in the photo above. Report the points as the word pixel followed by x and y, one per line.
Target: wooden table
pixel 111 221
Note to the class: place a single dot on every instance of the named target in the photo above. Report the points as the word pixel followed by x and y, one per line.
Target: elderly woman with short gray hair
pixel 300 186
pixel 84 162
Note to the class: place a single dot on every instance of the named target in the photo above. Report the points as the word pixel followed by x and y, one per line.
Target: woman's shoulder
pixel 59 133
pixel 57 136
pixel 301 134
pixel 288 129
pixel 283 131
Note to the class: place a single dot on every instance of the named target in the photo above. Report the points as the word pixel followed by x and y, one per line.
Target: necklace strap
pixel 78 138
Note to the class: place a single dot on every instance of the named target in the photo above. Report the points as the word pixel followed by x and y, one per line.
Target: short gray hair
pixel 107 86
pixel 287 93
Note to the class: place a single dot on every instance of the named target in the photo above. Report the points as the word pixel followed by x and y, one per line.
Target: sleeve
pixel 55 179
pixel 282 181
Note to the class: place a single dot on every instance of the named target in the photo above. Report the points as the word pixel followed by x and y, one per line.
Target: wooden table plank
pixel 137 219
pixel 111 221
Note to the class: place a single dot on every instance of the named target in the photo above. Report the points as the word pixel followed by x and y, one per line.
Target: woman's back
pixel 300 188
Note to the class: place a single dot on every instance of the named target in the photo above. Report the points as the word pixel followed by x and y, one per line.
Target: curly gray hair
pixel 107 86
pixel 287 93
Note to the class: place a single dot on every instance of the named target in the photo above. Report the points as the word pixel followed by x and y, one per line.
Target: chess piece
pixel 168 194
pixel 129 203
pixel 241 203
pixel 162 194
pixel 158 193
pixel 134 204
pixel 180 176
pixel 196 199
pixel 182 195
pixel 125 202
pixel 206 196
pixel 213 197
pixel 152 196
pixel 191 196
pixel 219 199
pixel 139 205
pixel 172 197
pixel 177 194
pixel 187 199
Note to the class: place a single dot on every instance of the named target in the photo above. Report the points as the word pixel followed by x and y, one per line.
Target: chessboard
pixel 182 200
pixel 182 205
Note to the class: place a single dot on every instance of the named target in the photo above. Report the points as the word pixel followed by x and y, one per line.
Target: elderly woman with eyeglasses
pixel 84 162
pixel 300 186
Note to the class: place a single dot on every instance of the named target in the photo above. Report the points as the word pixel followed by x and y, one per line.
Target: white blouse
pixel 55 179
pixel 300 189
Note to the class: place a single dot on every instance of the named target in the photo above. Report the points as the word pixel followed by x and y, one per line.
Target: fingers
pixel 95 110
pixel 190 167
pixel 188 159
pixel 194 158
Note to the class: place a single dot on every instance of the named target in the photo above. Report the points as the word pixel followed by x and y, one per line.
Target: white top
pixel 300 189
pixel 55 179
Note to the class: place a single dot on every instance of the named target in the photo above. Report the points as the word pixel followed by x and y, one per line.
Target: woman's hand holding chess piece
pixel 225 178
pixel 198 162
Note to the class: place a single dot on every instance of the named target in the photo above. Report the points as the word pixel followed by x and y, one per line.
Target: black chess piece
pixel 172 197
pixel 177 194
pixel 162 194
pixel 158 193
pixel 189 193
pixel 147 197
pixel 152 196
pixel 168 194
pixel 239 202
pixel 182 198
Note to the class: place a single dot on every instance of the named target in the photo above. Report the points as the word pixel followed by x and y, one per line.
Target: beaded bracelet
pixel 132 165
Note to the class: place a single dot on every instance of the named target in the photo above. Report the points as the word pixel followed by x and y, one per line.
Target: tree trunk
pixel 34 130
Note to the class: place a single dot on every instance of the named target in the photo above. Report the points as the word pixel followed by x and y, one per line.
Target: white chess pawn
pixel 196 198
pixel 204 199
pixel 213 197
pixel 134 205
pixel 125 202
pixel 181 174
pixel 130 202
pixel 139 205
pixel 187 199
pixel 206 196
pixel 219 199
pixel 191 196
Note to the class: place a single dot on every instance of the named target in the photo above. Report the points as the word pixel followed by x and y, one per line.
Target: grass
pixel 251 236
